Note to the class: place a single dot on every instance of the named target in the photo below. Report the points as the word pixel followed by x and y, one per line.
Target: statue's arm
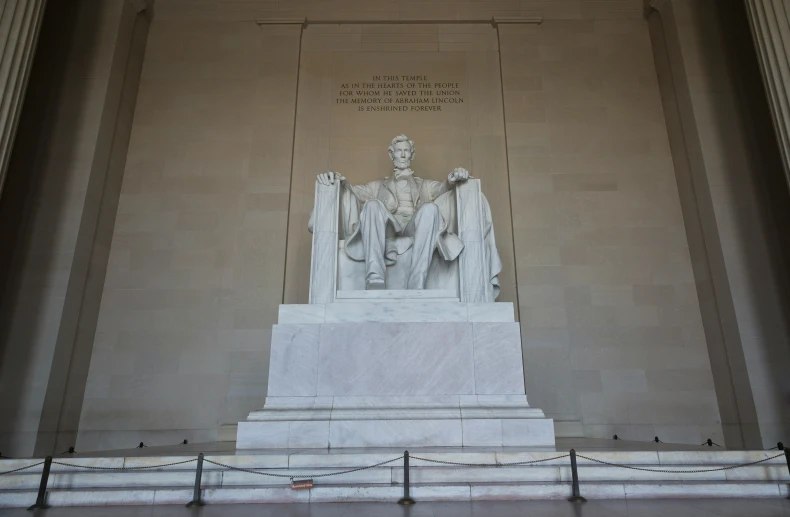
pixel 364 192
pixel 437 188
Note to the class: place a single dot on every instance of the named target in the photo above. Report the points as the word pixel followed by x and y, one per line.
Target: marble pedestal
pixel 399 373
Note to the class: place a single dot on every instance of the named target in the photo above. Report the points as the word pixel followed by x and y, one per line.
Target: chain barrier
pixel 21 468
pixel 90 467
pixel 310 476
pixel 511 464
pixel 697 471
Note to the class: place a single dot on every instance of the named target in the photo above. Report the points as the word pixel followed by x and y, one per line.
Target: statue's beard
pixel 402 164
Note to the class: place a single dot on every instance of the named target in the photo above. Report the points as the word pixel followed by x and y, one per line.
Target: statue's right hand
pixel 329 178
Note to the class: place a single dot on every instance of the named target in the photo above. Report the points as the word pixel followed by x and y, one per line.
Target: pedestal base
pixel 396 433
pixel 397 384
pixel 396 422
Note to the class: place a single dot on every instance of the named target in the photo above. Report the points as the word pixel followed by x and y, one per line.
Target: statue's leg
pixel 373 227
pixel 426 226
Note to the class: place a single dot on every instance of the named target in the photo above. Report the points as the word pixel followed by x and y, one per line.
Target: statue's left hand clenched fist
pixel 458 174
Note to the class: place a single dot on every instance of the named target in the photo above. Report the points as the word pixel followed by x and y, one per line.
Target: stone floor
pixel 225 448
pixel 673 508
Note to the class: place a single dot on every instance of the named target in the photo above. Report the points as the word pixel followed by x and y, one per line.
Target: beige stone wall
pixel 396 10
pixel 611 324
pixel 196 266
pixel 612 331
pixel 600 248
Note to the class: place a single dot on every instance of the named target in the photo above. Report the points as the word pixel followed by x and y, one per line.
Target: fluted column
pixel 770 23
pixel 19 24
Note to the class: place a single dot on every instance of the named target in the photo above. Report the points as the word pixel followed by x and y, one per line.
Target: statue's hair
pixel 401 138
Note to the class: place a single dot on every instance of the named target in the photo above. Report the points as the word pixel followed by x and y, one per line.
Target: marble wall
pixel 195 269
pixel 234 116
pixel 610 318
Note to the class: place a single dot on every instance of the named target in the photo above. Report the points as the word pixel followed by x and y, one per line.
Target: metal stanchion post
pixel 406 499
pixel 576 497
pixel 41 499
pixel 198 474
pixel 787 458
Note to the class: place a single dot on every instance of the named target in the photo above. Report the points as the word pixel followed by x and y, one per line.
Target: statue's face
pixel 401 155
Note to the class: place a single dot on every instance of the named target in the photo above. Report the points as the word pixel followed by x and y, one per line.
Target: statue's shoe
pixel 374 282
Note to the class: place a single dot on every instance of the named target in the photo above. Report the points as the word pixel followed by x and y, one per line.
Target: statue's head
pixel 401 152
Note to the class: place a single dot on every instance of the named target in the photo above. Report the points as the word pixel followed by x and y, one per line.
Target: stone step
pixel 346 458
pixel 420 492
pixel 71 485
pixel 387 476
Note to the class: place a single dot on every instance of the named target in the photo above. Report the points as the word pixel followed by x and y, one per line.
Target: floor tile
pixel 647 508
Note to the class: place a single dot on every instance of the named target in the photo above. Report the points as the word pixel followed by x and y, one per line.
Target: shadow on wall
pixel 35 225
pixel 757 199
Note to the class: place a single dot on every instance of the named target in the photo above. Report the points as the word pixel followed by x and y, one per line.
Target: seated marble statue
pixel 383 219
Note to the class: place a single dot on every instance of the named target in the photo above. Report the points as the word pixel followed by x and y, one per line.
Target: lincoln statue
pixel 383 219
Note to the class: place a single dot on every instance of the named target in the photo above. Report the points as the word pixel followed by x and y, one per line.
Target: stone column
pixel 19 24
pixel 770 23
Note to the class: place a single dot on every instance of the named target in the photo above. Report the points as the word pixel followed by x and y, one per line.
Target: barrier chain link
pixel 307 476
pixel 666 471
pixel 91 467
pixel 510 464
pixel 22 468
pixel 443 462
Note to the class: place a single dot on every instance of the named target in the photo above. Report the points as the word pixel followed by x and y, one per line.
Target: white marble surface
pixel 394 311
pixel 490 312
pixel 703 490
pixel 533 431
pixel 472 263
pixel 482 432
pixel 397 312
pixel 294 314
pixel 398 295
pixel 394 433
pixel 390 431
pixel 323 261
pixel 351 274
pixel 362 477
pixel 293 365
pixel 436 474
pixel 549 480
pixel 758 499
pixel 497 351
pixel 395 384
pixel 396 359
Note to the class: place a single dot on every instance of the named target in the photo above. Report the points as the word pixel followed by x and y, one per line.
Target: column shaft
pixel 19 25
pixel 770 26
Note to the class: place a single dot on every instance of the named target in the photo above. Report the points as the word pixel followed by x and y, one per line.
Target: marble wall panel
pixel 605 280
pixel 596 254
pixel 497 353
pixel 294 361
pixel 377 359
pixel 193 285
pixel 401 10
